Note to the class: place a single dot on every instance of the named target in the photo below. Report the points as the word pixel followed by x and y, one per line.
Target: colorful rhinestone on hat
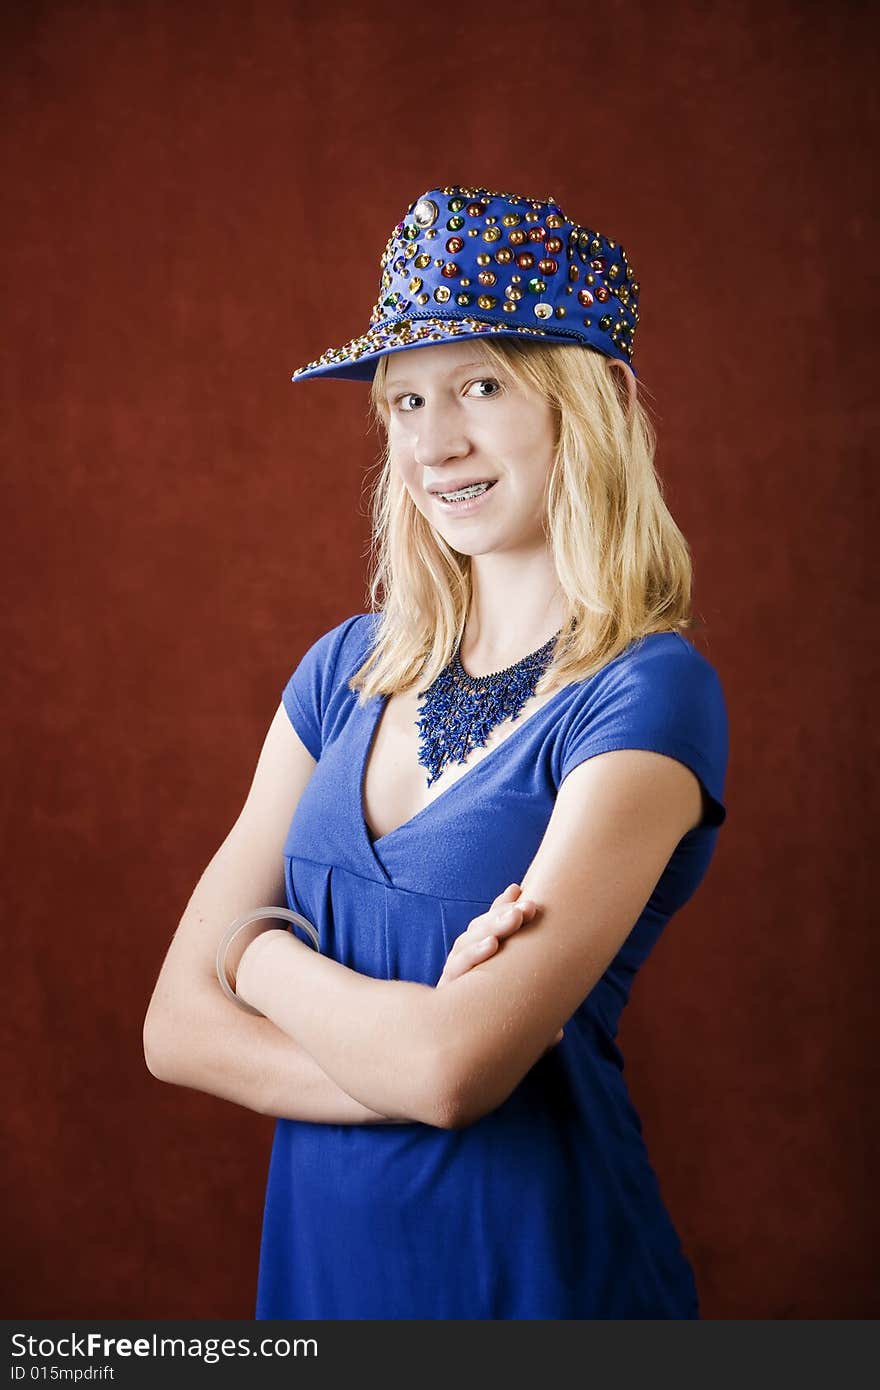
pixel 467 261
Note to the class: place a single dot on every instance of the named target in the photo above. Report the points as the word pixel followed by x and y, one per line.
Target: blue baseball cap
pixel 467 262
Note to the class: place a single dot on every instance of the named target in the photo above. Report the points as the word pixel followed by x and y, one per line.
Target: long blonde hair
pixel 622 563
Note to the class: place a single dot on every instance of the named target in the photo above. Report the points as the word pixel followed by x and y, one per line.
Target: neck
pixel 516 606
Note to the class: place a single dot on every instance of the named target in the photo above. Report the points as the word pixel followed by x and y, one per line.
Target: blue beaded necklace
pixel 461 710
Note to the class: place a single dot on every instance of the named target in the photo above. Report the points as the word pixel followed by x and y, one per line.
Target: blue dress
pixel 547 1207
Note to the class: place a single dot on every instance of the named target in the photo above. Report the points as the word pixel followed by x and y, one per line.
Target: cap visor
pixel 357 359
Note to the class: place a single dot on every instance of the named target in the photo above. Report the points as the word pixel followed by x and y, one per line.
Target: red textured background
pixel 196 201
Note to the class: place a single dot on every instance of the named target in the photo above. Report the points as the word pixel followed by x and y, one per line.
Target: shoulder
pixel 661 695
pixel 656 673
pixel 660 656
pixel 312 690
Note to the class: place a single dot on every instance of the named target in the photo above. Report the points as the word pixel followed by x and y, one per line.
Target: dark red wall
pixel 196 201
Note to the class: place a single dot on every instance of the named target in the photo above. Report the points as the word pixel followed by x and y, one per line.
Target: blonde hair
pixel 622 563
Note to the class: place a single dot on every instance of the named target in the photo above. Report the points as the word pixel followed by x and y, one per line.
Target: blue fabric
pixel 548 1207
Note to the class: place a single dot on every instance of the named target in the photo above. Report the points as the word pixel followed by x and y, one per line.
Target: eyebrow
pixel 462 367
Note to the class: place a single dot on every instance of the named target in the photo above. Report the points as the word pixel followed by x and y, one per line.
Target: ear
pixel 626 380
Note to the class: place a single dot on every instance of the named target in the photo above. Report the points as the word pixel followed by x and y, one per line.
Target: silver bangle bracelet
pixel 238 925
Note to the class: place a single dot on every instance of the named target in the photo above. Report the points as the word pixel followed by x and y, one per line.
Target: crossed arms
pixel 348 1048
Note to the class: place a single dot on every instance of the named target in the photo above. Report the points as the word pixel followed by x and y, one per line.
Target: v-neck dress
pixel 548 1206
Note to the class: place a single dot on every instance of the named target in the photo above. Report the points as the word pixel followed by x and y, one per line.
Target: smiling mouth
pixel 466 494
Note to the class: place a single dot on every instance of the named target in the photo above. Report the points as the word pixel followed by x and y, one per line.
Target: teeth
pixel 473 490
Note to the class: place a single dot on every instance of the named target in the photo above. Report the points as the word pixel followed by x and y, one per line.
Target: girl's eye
pixel 402 401
pixel 487 381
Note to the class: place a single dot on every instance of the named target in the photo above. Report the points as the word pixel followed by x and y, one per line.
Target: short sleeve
pixel 306 696
pixel 666 697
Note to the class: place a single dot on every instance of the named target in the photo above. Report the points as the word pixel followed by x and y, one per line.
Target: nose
pixel 439 435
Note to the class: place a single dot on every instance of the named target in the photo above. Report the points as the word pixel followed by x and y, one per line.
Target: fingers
pixel 480 940
pixel 501 923
pixel 511 892
pixel 465 954
pixel 505 914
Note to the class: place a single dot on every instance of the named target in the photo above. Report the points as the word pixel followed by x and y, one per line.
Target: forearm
pixel 225 1052
pixel 378 1039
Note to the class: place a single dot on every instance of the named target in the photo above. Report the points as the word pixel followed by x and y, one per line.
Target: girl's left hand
pixel 482 938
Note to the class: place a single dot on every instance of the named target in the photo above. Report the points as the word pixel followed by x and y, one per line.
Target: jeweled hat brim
pixel 357 359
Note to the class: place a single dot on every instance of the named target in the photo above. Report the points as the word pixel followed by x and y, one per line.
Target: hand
pixel 481 939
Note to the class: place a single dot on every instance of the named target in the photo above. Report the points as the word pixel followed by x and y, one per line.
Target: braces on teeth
pixel 473 490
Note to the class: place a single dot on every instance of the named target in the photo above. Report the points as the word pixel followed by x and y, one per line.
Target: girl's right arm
pixel 193 1035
